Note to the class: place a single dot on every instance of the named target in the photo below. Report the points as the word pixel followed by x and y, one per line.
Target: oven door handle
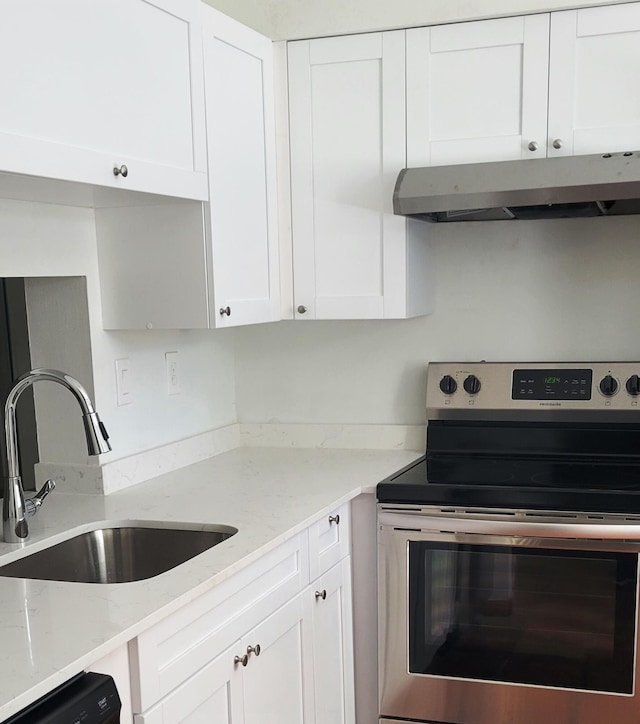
pixel 622 531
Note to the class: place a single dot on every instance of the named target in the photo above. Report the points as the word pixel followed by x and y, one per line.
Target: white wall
pixel 545 290
pixel 48 240
pixel 291 19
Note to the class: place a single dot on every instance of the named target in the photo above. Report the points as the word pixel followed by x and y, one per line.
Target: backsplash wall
pixel 545 290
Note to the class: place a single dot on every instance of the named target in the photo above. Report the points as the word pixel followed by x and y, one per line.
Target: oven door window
pixel 545 617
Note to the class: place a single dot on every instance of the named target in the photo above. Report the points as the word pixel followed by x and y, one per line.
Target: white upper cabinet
pixel 244 264
pixel 477 91
pixel 352 258
pixel 555 84
pixel 594 104
pixel 188 265
pixel 89 86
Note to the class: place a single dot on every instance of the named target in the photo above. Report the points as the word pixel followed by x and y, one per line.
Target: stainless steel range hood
pixel 548 188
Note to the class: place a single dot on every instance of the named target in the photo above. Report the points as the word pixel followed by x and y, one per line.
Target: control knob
pixel 608 386
pixel 633 385
pixel 472 385
pixel 448 385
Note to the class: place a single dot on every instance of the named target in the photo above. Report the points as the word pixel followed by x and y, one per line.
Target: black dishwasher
pixel 88 698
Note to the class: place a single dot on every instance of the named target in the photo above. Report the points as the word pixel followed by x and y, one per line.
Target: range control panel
pixel 533 386
pixel 551 384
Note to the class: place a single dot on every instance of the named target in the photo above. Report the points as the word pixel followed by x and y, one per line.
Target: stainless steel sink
pixel 118 554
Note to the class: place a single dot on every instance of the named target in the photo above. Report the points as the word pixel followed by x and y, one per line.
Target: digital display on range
pixel 551 384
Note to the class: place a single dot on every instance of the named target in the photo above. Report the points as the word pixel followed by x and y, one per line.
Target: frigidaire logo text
pixel 550 404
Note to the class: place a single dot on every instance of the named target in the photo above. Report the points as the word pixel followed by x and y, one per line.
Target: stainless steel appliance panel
pixel 421 697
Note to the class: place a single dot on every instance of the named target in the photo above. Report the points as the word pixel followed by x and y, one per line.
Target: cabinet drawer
pixel 329 540
pixel 173 650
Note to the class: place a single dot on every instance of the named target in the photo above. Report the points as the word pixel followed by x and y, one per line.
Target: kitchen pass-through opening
pixel 15 360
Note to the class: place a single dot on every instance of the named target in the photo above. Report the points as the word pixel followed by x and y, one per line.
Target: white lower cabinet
pixel 267 646
pixel 273 686
pixel 333 645
pixel 214 694
pixel 277 684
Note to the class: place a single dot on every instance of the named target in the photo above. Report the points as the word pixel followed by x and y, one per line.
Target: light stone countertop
pixel 51 630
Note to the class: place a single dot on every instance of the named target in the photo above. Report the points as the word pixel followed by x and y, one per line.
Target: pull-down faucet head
pixel 14 507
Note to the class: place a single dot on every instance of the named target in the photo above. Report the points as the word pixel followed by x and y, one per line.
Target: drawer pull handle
pixel 321 594
pixel 244 660
pixel 253 650
pixel 334 519
pixel 121 171
pixel 225 310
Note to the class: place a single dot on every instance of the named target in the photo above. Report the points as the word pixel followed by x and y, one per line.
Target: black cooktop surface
pixel 596 490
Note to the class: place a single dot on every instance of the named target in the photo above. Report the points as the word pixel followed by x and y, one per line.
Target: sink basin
pixel 118 554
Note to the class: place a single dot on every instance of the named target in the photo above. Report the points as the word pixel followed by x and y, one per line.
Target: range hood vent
pixel 548 188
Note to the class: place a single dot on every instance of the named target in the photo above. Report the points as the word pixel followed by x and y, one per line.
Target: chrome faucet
pixel 15 509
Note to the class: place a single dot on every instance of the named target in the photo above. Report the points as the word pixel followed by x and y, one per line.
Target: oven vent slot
pixel 410 530
pixel 476 511
pixel 402 509
pixel 553 514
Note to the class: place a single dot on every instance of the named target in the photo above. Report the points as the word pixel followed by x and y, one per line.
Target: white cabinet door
pixel 213 695
pixel 347 140
pixel 333 646
pixel 244 267
pixel 275 685
pixel 594 104
pixel 219 259
pixel 477 91
pixel 278 683
pixel 92 85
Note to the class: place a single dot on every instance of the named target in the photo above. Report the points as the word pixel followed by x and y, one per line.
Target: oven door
pixel 488 621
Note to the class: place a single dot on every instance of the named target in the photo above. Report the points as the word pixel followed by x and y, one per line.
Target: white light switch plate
pixel 173 374
pixel 124 394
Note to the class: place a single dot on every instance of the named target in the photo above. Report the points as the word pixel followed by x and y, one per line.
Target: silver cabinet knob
pixel 334 519
pixel 122 171
pixel 225 310
pixel 533 146
pixel 253 650
pixel 302 309
pixel 244 660
pixel 321 595
pixel 557 143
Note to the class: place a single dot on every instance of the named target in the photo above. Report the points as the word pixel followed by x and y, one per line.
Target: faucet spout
pixel 14 507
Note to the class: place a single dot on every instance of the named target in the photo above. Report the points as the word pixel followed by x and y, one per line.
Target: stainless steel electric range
pixel 508 556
